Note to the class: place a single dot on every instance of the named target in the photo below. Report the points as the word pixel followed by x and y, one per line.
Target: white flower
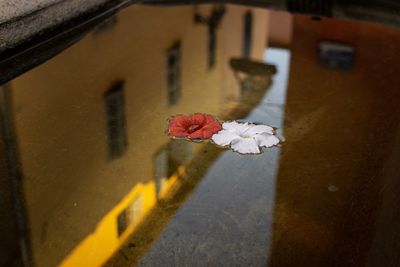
pixel 245 138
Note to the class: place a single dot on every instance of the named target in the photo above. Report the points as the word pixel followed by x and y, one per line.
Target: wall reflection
pixel 341 125
pixel 90 126
pixel 104 185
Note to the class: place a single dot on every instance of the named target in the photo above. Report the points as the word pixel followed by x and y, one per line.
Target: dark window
pixel 247 33
pixel 161 169
pixel 174 74
pixel 335 55
pixel 115 111
pixel 212 44
pixel 179 153
pixel 122 223
pixel 168 159
pixel 130 215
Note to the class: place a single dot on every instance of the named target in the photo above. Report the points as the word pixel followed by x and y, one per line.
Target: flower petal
pixel 179 120
pixel 177 131
pixel 259 129
pixel 201 134
pixel 245 146
pixel 235 127
pixel 210 118
pixel 267 140
pixel 199 119
pixel 206 134
pixel 213 127
pixel 196 135
pixel 224 138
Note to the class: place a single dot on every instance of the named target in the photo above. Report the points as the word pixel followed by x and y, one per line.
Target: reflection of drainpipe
pixel 212 22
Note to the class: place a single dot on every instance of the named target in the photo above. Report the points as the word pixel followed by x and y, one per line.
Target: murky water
pixel 104 185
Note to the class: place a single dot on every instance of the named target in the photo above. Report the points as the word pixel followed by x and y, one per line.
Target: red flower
pixel 197 126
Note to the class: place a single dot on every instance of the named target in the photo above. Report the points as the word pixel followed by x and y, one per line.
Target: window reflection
pixel 116 129
pixel 174 73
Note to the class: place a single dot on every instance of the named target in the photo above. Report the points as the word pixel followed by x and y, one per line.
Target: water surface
pixel 104 185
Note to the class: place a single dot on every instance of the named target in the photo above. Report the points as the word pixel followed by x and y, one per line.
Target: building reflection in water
pixel 90 126
pixel 103 184
pixel 337 187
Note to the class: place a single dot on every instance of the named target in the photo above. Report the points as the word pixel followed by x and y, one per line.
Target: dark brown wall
pixel 339 129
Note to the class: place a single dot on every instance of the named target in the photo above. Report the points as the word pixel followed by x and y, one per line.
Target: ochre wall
pixel 60 118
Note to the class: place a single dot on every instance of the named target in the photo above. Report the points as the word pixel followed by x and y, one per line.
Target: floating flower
pixel 245 138
pixel 196 126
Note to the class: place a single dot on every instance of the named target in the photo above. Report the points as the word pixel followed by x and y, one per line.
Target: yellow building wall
pixel 73 191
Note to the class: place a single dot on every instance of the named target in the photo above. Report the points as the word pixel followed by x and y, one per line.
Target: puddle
pixel 104 185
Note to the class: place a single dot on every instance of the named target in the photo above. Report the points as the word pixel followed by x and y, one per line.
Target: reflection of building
pixel 10 223
pixel 86 186
pixel 337 161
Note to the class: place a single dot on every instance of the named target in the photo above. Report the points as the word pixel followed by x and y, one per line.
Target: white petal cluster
pixel 245 138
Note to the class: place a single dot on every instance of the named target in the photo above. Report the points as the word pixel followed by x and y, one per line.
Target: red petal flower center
pixel 196 126
pixel 193 128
